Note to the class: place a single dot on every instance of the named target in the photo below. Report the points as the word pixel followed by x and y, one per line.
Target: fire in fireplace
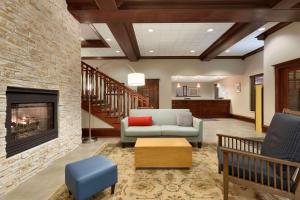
pixel 31 118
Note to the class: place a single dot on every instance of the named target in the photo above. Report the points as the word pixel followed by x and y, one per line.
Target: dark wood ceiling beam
pixel 272 30
pixel 252 53
pixel 150 4
pixel 236 33
pixel 103 57
pixel 123 32
pixel 229 57
pixel 285 4
pixel 186 15
pixel 93 44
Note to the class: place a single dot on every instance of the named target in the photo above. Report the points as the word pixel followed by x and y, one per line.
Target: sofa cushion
pixel 143 131
pixel 283 138
pixel 184 119
pixel 159 116
pixel 180 131
pixel 140 121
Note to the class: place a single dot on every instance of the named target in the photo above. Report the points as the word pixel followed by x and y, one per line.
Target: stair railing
pixel 108 94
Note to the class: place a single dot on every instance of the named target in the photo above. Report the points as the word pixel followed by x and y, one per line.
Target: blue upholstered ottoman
pixel 90 176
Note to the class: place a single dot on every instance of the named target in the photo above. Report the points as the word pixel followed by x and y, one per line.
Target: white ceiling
pixel 249 43
pixel 177 39
pixel 88 33
pixel 197 78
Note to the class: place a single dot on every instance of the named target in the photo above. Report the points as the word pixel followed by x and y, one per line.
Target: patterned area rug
pixel 200 182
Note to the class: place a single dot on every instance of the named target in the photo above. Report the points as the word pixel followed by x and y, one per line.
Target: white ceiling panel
pixel 249 43
pixel 103 30
pixel 177 39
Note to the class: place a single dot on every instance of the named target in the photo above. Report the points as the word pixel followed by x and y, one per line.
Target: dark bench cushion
pixel 283 138
pixel 261 171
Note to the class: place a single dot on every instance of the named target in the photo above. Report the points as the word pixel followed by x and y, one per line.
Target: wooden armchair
pixel 271 165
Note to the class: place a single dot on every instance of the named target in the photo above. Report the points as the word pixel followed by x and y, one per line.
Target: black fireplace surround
pixel 31 118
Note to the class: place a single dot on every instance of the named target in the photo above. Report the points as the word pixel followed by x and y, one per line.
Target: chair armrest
pixel 259 157
pixel 239 143
pixel 282 170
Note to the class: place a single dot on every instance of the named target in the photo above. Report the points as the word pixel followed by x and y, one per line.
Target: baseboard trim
pixel 243 118
pixel 265 128
pixel 248 119
pixel 102 132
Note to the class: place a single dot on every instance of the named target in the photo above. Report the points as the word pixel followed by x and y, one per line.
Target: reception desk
pixel 204 108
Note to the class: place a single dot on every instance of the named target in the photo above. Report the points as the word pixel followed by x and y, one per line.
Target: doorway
pixel 287 85
pixel 151 90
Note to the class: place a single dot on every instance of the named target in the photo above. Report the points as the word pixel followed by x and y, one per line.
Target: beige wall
pixel 240 102
pixel 284 45
pixel 163 69
pixel 40 48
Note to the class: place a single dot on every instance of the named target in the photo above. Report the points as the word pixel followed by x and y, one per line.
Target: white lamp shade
pixel 136 79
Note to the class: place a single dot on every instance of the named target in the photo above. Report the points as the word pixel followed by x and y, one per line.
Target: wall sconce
pixel 178 85
pixel 218 85
pixel 198 85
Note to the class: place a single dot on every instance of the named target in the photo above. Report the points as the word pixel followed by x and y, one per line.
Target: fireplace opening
pixel 31 118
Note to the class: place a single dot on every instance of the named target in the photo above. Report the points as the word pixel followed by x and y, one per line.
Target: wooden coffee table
pixel 163 153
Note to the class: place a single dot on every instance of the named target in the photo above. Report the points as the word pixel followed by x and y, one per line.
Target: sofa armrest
pixel 124 125
pixel 197 123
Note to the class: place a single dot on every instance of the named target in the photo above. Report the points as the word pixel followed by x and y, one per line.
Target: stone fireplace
pixel 40 48
pixel 31 118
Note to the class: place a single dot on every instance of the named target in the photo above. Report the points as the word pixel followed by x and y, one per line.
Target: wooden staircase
pixel 110 99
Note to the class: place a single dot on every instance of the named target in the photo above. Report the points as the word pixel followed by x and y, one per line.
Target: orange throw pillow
pixel 140 121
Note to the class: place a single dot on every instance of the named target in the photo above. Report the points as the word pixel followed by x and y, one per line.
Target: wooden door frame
pixel 156 79
pixel 279 80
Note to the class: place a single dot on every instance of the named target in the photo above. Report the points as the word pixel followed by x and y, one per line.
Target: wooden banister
pixel 109 94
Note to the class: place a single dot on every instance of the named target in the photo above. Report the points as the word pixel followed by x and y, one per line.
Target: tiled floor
pixel 42 185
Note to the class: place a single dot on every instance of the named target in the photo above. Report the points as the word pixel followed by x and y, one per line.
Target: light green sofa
pixel 164 125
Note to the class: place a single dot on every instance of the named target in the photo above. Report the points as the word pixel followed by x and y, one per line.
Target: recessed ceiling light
pixel 151 51
pixel 150 30
pixel 262 29
pixel 210 30
pixel 192 51
pixel 227 51
pixel 118 51
pixel 108 39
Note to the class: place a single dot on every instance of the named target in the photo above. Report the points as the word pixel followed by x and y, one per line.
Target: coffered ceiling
pixel 179 28
pixel 249 43
pixel 87 33
pixel 177 39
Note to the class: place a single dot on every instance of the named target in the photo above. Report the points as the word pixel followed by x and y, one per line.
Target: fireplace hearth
pixel 31 118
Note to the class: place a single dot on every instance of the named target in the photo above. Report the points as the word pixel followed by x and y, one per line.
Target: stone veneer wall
pixel 39 48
